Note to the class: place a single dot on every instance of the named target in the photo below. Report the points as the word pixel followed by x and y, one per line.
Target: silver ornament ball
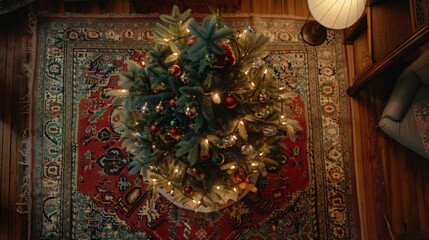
pixel 145 109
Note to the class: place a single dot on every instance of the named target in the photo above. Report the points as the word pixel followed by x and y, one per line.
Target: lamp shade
pixel 336 14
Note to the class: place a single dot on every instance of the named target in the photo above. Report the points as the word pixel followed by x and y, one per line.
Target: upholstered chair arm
pixel 402 95
pixel 421 67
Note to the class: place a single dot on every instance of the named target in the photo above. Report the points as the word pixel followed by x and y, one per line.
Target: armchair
pixel 405 116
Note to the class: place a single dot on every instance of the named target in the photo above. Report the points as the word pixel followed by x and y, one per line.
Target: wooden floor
pixel 13 87
pixel 392 182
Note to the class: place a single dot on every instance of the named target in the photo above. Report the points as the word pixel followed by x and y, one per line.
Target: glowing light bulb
pixel 216 98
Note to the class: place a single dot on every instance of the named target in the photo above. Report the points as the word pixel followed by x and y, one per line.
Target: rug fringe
pixel 28 67
pixel 24 205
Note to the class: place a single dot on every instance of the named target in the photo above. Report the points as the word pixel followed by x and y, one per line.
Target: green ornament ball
pixel 218 159
pixel 174 123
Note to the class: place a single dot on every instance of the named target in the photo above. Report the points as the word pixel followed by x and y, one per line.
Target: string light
pixel 216 98
pixel 118 92
pixel 283 120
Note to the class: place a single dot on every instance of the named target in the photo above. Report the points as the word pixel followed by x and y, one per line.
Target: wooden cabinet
pixel 389 32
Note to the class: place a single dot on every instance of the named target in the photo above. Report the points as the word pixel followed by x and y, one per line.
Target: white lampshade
pixel 336 14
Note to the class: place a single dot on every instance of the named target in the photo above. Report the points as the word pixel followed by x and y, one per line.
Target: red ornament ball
pixel 240 175
pixel 154 128
pixel 172 102
pixel 204 156
pixel 227 58
pixel 174 70
pixel 230 102
pixel 188 190
pixel 191 40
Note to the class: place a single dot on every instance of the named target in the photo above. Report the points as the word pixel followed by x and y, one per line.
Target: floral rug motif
pixel 421 113
pixel 80 182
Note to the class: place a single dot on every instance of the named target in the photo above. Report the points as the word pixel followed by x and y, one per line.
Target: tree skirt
pixel 81 188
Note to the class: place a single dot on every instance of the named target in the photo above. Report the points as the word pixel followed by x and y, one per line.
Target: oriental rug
pixel 80 185
pixel 421 113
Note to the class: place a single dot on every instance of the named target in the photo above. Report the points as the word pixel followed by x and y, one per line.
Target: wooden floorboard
pixel 13 87
pixel 393 180
pixel 7 131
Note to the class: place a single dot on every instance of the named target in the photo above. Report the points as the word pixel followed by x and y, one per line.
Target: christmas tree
pixel 204 118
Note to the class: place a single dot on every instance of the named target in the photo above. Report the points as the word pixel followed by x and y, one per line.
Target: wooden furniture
pixel 389 32
pixel 406 105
